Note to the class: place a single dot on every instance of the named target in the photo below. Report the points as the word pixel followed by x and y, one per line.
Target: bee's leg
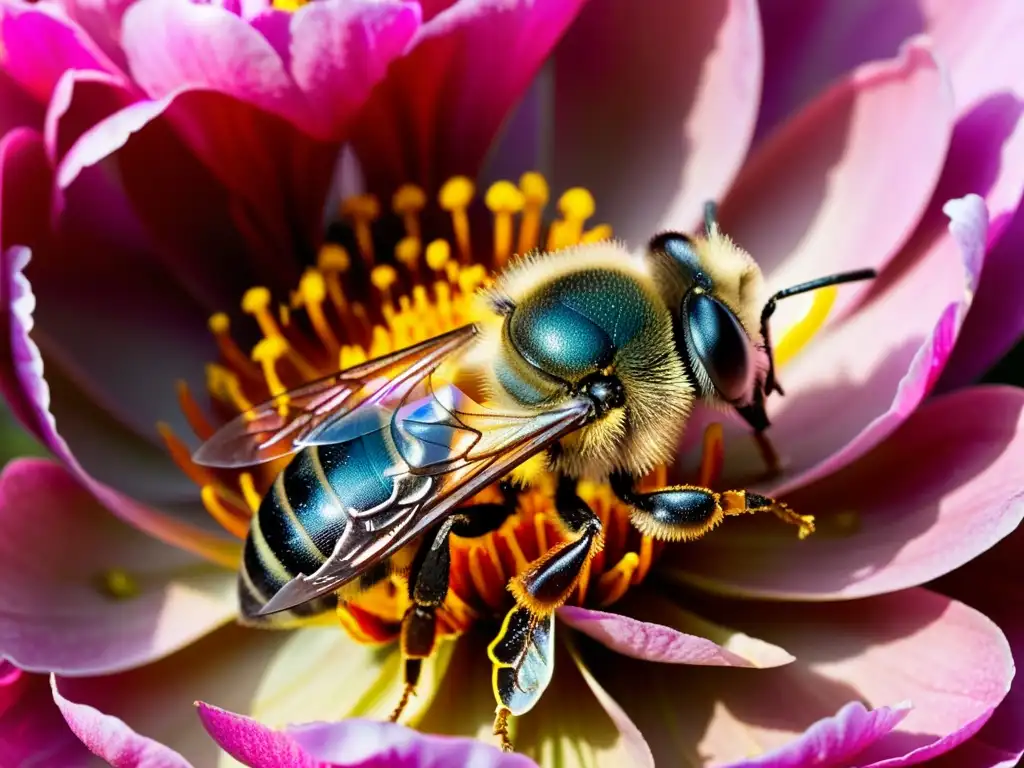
pixel 428 584
pixel 523 651
pixel 687 512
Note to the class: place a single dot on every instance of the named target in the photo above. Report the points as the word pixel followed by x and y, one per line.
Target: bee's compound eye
pixel 680 248
pixel 718 344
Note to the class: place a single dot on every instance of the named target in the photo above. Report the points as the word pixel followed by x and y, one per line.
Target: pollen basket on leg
pixel 389 274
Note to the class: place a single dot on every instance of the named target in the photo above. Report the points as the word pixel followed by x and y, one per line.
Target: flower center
pixel 404 286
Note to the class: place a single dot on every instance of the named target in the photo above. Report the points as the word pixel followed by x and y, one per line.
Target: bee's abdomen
pixel 305 512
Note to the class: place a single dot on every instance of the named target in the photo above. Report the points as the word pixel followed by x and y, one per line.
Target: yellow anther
pixel 504 200
pixel 438 253
pixel 219 323
pixel 362 211
pixel 267 352
pixel 455 197
pixel 797 337
pixel 333 258
pixel 225 385
pixel 119 584
pixel 256 302
pixel 535 196
pixel 597 234
pixel 576 206
pixel 249 492
pixel 313 288
pixel 407 202
pixel 383 278
pixel 408 253
pixel 228 520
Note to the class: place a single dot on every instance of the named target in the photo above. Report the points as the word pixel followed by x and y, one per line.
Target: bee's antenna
pixel 770 383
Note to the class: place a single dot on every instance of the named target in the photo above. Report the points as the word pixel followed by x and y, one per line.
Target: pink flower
pixel 160 158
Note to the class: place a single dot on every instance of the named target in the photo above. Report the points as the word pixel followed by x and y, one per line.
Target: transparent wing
pixel 310 414
pixel 451 448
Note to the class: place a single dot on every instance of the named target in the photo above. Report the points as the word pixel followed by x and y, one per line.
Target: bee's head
pixel 710 337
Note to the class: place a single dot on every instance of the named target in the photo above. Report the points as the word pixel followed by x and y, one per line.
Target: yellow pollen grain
pixel 455 197
pixel 256 302
pixel 313 290
pixel 119 584
pixel 438 254
pixel 504 200
pixel 407 202
pixel 362 211
pixel 535 196
pixel 797 337
pixel 576 206
pixel 229 521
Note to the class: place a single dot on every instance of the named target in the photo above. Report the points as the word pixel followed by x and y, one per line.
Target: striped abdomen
pixel 304 514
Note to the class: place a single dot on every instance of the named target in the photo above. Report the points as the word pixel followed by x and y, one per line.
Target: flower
pixel 157 178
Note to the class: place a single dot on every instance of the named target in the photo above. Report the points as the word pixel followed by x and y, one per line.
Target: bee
pixel 587 363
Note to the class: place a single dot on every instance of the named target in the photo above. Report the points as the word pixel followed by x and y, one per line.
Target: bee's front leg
pixel 687 512
pixel 523 651
pixel 428 584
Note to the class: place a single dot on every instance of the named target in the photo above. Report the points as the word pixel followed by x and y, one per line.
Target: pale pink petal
pixel 650 641
pixel 80 100
pixel 820 196
pixel 944 488
pixel 174 46
pixel 360 743
pixel 101 19
pixel 654 107
pixel 111 739
pixel 33 733
pixel 64 617
pixel 880 362
pixel 39 43
pixel 948 660
pixel 832 741
pixel 442 104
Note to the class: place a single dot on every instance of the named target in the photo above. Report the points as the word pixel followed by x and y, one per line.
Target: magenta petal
pixel 833 741
pixel 39 44
pixel 81 99
pixel 361 743
pixel 111 739
pixel 441 105
pixel 957 492
pixel 65 619
pixel 652 642
pixel 667 122
pixel 33 733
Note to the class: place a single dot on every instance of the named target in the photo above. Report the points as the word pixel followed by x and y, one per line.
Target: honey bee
pixel 587 363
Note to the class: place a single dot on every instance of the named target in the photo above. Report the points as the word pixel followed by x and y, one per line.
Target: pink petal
pixel 810 202
pixel 651 641
pixel 441 105
pixel 833 741
pixel 64 619
pixel 101 19
pixel 341 49
pixel 17 108
pixel 881 361
pixel 33 733
pixel 111 739
pixel 667 123
pixel 39 44
pixel 956 492
pixel 361 743
pixel 80 100
pixel 174 46
pixel 951 662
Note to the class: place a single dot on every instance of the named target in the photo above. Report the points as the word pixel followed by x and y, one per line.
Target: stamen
pixel 407 202
pixel 597 234
pixel 220 327
pixel 193 413
pixel 797 337
pixel 256 302
pixel 503 200
pixel 615 583
pixel 333 261
pixel 712 457
pixel 313 290
pixel 362 211
pixel 438 253
pixel 182 456
pixel 267 352
pixel 576 206
pixel 249 492
pixel 407 252
pixel 455 197
pixel 229 520
pixel 383 278
pixel 223 384
pixel 535 196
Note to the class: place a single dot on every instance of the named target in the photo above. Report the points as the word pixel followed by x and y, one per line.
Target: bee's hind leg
pixel 428 584
pixel 523 651
pixel 687 512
